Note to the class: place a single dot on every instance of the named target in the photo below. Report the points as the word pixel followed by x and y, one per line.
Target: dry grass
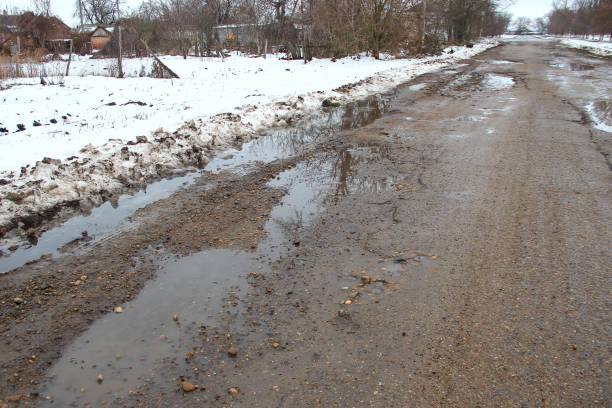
pixel 26 67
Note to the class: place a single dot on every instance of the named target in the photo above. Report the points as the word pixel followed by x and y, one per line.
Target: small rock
pixel 100 378
pixel 13 248
pixel 232 352
pixel 175 318
pixel 53 121
pixel 36 123
pixel 14 398
pixel 296 242
pixel 83 389
pixel 18 300
pixel 366 279
pixel 20 127
pixel 118 309
pixel 348 302
pixel 187 386
pixel 233 390
pixel 84 278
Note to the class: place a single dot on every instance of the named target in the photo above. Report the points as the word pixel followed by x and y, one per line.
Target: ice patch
pixel 497 82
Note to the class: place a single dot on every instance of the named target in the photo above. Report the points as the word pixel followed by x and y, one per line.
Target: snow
pixel 601 115
pixel 101 120
pixel 593 46
pixel 497 82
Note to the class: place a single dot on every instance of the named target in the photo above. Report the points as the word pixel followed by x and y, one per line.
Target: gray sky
pixel 64 9
pixel 530 8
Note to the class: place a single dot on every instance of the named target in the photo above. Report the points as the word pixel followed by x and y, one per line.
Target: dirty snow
pixel 601 115
pixel 593 46
pixel 497 82
pixel 111 133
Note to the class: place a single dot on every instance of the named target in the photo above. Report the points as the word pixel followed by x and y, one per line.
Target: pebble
pixel 232 352
pixel 100 378
pixel 233 390
pixel 187 386
pixel 348 302
pixel 18 300
pixel 366 279
pixel 118 309
pixel 175 318
pixel 15 398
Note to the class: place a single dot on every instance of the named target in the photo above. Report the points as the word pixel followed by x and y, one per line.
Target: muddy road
pixel 447 244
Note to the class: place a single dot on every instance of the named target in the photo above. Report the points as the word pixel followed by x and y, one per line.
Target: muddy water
pixel 288 142
pixel 273 145
pixel 125 348
pixel 196 287
pixel 102 219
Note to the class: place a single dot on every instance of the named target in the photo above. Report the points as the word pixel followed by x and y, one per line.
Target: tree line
pixel 582 17
pixel 301 28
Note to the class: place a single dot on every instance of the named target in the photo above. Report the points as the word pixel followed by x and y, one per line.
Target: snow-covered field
pixel 100 134
pixel 593 46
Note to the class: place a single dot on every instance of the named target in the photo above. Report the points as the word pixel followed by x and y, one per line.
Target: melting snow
pixel 497 82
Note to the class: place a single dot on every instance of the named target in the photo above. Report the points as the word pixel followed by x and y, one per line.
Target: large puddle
pixel 273 145
pixel 202 290
pixel 101 219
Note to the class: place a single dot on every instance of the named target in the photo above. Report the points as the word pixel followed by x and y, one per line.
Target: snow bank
pixel 596 47
pixel 99 135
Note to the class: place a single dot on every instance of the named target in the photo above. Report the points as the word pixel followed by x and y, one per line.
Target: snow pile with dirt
pixel 85 138
pixel 593 46
pixel 600 113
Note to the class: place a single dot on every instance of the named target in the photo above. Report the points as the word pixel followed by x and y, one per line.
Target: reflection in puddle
pixel 311 183
pixel 127 348
pixel 573 66
pixel 101 219
pixel 290 142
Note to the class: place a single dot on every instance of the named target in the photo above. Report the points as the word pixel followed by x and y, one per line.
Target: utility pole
pixel 118 25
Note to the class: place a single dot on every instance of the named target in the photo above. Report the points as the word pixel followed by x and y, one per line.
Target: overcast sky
pixel 64 9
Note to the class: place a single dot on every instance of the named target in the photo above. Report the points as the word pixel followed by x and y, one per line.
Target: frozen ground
pixel 99 134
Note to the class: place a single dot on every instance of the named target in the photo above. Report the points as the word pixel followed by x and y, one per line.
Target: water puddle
pixel 289 142
pixel 312 183
pixel 146 336
pixel 101 219
pixel 573 66
pixel 127 348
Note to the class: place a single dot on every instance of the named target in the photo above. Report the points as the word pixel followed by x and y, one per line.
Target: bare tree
pixel 98 11
pixel 42 7
pixel 523 25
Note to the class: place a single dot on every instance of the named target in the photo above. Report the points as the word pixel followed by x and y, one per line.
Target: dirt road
pixel 453 251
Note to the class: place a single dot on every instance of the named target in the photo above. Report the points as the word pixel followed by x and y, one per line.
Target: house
pixel 33 32
pixel 98 35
